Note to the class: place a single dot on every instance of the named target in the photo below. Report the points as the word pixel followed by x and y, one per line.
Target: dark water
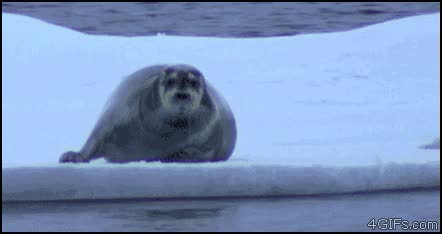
pixel 222 19
pixel 329 213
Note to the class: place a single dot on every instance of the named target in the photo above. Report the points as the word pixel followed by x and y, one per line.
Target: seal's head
pixel 181 89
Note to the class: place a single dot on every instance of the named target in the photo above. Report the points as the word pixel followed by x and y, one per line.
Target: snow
pixel 317 113
pixel 89 182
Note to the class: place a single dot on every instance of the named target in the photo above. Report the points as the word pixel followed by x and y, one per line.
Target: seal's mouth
pixel 181 97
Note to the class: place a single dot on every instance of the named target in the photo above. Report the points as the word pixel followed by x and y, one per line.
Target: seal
pixel 166 113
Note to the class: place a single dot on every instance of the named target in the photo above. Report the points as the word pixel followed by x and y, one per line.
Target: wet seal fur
pixel 165 113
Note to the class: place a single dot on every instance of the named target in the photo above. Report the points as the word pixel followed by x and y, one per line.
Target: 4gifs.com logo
pixel 401 224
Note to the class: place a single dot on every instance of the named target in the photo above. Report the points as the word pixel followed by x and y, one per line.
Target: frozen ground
pixel 319 113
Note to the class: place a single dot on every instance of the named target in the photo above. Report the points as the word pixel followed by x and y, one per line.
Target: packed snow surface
pixel 318 113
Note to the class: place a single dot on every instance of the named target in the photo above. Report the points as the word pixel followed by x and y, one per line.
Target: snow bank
pixel 156 181
pixel 316 113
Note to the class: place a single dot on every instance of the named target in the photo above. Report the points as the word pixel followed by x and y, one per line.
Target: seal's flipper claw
pixel 72 157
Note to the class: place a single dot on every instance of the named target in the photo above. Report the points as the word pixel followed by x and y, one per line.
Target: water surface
pixel 222 19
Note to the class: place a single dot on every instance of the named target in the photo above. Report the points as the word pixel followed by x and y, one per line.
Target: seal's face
pixel 181 89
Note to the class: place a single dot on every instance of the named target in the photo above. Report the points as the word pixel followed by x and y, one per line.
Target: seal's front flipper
pixel 179 156
pixel 190 155
pixel 72 157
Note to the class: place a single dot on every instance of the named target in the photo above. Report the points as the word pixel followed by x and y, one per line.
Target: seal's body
pixel 162 113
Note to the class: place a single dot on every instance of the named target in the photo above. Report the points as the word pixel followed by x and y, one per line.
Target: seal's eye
pixel 170 83
pixel 194 84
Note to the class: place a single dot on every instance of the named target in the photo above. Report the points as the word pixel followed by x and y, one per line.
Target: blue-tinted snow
pixel 309 108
